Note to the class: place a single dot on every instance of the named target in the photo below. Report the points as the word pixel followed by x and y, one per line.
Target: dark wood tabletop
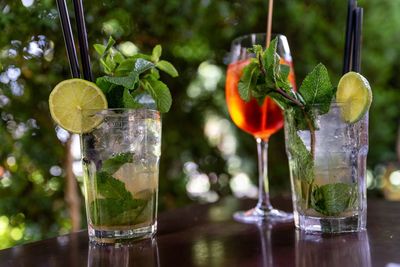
pixel 206 235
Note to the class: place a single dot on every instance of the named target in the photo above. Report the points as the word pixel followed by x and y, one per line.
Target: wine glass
pixel 261 121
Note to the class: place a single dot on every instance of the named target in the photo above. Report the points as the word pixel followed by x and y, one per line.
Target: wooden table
pixel 206 235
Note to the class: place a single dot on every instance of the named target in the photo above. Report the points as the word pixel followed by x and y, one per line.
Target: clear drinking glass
pixel 120 160
pixel 328 171
pixel 261 121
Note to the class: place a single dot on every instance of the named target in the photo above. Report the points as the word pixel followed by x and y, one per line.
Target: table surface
pixel 206 235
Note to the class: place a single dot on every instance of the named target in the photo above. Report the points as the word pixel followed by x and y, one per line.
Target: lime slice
pixel 354 92
pixel 69 98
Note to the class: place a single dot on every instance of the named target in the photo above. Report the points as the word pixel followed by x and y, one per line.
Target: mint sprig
pixel 127 79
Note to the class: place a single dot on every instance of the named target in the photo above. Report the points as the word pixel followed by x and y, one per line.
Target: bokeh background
pixel 204 156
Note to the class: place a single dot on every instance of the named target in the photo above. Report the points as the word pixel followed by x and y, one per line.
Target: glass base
pixel 258 216
pixel 120 236
pixel 337 225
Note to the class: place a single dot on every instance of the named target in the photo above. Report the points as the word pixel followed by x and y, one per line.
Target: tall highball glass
pixel 120 164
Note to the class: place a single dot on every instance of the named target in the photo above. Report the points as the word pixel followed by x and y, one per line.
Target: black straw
pixel 68 38
pixel 83 40
pixel 352 4
pixel 358 21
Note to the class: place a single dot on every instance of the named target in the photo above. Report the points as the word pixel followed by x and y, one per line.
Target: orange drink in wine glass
pixel 259 120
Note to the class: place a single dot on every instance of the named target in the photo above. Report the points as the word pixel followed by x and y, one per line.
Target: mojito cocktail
pixel 120 162
pixel 118 119
pixel 328 183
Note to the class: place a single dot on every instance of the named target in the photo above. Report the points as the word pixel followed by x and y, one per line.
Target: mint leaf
pixel 125 67
pixel 159 92
pixel 332 199
pixel 283 77
pixel 115 96
pixel 129 101
pixel 271 58
pixel 248 81
pixel 110 44
pixel 142 65
pixel 156 54
pixel 108 65
pixel 129 81
pixel 100 49
pixel 118 57
pixel 302 158
pixel 143 56
pixel 116 212
pixel 109 187
pixel 155 73
pixel 112 164
pixel 317 88
pixel 103 84
pixel 167 68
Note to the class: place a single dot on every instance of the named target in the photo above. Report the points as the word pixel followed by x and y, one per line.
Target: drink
pixel 120 162
pixel 119 123
pixel 327 147
pixel 260 121
pixel 333 197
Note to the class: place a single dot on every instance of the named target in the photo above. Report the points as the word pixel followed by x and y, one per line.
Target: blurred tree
pixel 198 137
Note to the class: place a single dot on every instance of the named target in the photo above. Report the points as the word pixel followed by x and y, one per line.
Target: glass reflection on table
pixel 266 248
pixel 347 250
pixel 142 253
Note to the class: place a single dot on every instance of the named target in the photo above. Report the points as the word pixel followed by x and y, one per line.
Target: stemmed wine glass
pixel 261 121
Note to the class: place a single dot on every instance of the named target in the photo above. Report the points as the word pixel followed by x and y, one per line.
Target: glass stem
pixel 263 205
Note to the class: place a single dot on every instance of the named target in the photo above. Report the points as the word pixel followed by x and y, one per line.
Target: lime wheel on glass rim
pixel 69 98
pixel 355 93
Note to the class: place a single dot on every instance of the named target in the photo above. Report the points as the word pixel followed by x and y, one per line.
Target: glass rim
pixel 121 111
pixel 238 39
pixel 333 104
